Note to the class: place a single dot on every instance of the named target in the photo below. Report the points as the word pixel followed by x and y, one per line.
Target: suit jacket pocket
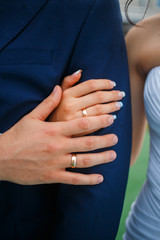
pixel 26 56
pixel 38 229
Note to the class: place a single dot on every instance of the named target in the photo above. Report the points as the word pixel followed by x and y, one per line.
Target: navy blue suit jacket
pixel 41 41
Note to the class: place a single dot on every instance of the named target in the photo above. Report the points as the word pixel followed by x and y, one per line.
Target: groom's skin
pixel 34 151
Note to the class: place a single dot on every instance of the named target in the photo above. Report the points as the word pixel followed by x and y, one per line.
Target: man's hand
pixel 34 151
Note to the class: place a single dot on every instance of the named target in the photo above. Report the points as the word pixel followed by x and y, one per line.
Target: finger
pixel 91 86
pixel 101 109
pixel 67 177
pixel 90 143
pixel 69 81
pixel 82 125
pixel 86 133
pixel 44 109
pixel 89 160
pixel 100 97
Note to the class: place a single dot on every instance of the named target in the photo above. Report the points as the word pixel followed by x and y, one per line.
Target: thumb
pixel 69 81
pixel 45 108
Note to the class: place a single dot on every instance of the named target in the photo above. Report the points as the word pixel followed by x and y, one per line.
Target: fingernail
pixel 113 84
pixel 76 73
pixel 114 117
pixel 100 180
pixel 110 119
pixel 113 156
pixel 121 94
pixel 119 104
pixel 115 140
pixel 55 89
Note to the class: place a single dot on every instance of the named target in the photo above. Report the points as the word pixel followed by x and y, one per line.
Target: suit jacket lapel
pixel 14 16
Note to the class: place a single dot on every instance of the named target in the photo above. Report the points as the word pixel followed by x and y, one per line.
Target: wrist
pixel 4 150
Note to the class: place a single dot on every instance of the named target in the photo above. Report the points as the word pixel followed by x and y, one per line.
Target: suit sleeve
pixel 93 212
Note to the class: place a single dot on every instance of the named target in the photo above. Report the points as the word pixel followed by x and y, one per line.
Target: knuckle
pixel 68 117
pixel 53 147
pixel 113 107
pixel 84 124
pixel 115 94
pixel 90 143
pixel 50 148
pixel 98 109
pixel 51 131
pixel 67 107
pixel 86 162
pixel 91 84
pixel 103 121
pixel 75 181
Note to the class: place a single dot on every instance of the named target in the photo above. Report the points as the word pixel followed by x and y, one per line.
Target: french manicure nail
pixel 76 73
pixel 114 117
pixel 121 94
pixel 119 104
pixel 113 84
pixel 100 179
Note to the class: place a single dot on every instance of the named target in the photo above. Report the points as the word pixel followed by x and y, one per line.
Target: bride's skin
pixel 143 47
pixel 87 95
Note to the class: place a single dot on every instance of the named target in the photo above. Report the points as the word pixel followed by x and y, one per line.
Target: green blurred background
pixel 136 179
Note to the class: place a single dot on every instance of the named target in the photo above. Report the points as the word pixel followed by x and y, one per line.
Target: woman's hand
pixel 89 95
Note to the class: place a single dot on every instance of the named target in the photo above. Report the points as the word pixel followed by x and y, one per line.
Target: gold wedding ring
pixel 74 161
pixel 84 112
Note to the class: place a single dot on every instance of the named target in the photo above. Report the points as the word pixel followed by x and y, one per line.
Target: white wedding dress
pixel 143 222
